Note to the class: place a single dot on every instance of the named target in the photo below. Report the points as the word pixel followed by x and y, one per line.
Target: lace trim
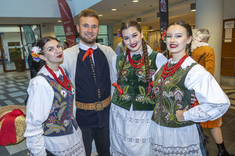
pixel 191 150
pixel 76 150
pixel 133 140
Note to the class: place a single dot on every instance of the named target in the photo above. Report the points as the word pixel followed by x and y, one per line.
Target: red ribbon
pixel 119 89
pixel 8 130
pixel 88 52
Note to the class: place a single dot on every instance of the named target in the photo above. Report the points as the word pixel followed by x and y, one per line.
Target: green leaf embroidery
pixel 142 90
pixel 60 113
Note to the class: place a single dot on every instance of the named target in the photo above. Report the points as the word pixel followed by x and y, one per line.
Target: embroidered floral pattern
pixel 59 115
pixel 143 97
pixel 63 93
pixel 169 97
pixel 52 119
pixel 166 117
pixel 178 94
pixel 125 95
pixel 133 83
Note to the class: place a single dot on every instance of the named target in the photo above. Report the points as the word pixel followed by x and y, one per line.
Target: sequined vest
pixel 60 120
pixel 171 95
pixel 134 85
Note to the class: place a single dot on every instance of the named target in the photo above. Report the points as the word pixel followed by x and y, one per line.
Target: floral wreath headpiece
pixel 35 53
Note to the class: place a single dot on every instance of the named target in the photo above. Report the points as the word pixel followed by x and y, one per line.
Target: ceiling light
pixel 100 15
pixel 114 9
pixel 135 1
pixel 193 6
pixel 59 21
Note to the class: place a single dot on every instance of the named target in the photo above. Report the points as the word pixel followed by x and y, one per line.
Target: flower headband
pixel 35 53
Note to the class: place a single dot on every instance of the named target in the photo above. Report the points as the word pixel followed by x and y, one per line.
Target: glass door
pixel 11 46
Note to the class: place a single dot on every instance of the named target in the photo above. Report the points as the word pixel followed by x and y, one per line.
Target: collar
pixel 196 44
pixel 149 49
pixel 85 47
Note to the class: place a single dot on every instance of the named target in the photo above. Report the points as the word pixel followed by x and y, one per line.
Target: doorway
pixel 14 42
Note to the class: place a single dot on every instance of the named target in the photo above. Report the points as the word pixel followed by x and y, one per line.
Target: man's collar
pixel 85 47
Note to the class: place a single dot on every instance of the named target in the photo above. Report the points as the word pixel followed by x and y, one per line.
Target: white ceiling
pixel 126 10
pixel 145 9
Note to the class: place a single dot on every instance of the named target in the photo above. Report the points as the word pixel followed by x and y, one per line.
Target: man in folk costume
pixel 205 56
pixel 89 65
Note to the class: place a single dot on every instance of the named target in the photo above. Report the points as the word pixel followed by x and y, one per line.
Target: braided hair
pixel 124 26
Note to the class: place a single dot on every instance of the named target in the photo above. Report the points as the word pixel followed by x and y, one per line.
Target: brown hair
pixel 124 26
pixel 188 31
pixel 88 13
pixel 41 42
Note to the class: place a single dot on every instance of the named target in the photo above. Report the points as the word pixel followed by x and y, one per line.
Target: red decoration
pixel 136 64
pixel 169 71
pixel 150 89
pixel 119 33
pixel 68 24
pixel 119 89
pixel 88 52
pixel 8 130
pixel 66 84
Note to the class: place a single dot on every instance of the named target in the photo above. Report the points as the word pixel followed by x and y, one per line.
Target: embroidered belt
pixel 97 106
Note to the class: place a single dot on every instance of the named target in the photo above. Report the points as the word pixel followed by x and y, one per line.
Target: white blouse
pixel 39 104
pixel 213 102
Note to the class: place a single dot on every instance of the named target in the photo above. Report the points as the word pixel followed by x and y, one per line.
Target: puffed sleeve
pixel 39 104
pixel 160 60
pixel 213 102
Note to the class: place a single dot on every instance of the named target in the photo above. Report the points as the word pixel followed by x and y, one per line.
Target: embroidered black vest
pixel 133 84
pixel 171 95
pixel 60 120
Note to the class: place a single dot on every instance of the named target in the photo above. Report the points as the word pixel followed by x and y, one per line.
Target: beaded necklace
pixel 66 84
pixel 169 71
pixel 136 64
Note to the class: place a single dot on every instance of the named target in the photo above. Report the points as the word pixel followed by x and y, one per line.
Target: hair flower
pixel 35 53
pixel 119 33
pixel 163 35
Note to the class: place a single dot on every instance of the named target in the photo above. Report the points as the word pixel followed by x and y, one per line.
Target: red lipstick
pixel 59 56
pixel 173 45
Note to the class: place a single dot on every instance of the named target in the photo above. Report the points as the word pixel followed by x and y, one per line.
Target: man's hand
pixel 179 114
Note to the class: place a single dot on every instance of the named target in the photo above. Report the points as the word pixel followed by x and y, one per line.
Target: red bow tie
pixel 88 52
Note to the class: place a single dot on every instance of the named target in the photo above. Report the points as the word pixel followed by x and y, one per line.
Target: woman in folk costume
pixel 173 128
pixel 205 56
pixel 51 126
pixel 131 108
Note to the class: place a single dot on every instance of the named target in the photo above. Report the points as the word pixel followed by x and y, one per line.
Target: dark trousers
pixel 101 137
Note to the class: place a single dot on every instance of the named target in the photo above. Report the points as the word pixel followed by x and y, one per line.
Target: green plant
pixel 16 54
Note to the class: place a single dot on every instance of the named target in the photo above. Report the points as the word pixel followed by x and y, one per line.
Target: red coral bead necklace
pixel 169 71
pixel 66 84
pixel 136 64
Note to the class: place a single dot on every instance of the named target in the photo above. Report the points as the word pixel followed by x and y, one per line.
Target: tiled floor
pixel 13 88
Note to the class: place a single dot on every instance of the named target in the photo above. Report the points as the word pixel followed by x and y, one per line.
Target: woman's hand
pixel 179 114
